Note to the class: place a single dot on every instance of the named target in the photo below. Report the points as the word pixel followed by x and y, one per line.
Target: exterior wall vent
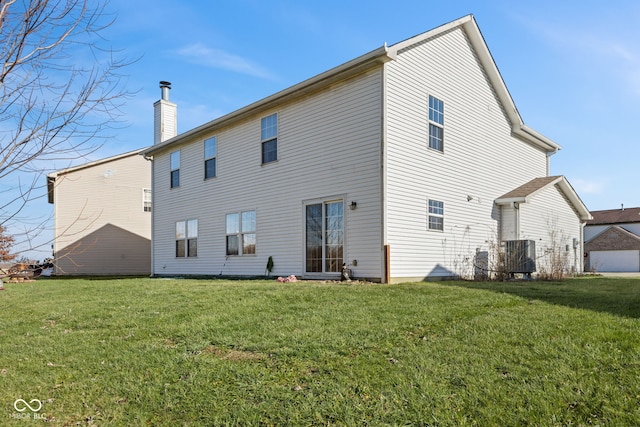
pixel 520 256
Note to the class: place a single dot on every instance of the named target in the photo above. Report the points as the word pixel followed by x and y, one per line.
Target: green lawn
pixel 213 352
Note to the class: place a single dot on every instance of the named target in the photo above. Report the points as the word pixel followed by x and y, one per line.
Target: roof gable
pixel 376 58
pixel 51 177
pixel 624 240
pixel 526 191
pixel 470 26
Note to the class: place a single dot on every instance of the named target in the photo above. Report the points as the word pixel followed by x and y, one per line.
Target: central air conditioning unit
pixel 520 256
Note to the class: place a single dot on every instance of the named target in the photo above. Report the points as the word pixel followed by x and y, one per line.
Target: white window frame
pixel 174 166
pixel 186 233
pixel 242 230
pixel 436 212
pixel 324 256
pixel 209 157
pixel 146 200
pixel 436 121
pixel 269 135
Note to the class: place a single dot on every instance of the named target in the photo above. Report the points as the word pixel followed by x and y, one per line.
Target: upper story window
pixel 146 199
pixel 210 154
pixel 436 123
pixel 175 169
pixel 269 138
pixel 241 233
pixel 435 215
pixel 187 238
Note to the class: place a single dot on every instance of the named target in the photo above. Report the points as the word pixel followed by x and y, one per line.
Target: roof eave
pixel 510 200
pixel 355 66
pixel 517 124
pixel 575 200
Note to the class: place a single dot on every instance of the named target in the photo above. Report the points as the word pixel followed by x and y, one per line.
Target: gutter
pixel 351 68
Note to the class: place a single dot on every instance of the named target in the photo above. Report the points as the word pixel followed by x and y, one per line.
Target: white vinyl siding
pixel 100 227
pixel 548 219
pixel 482 160
pixel 328 143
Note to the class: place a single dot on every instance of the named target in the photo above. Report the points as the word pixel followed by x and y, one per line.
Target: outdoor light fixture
pixel 353 205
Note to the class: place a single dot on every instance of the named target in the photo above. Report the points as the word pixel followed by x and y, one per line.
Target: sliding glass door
pixel 325 237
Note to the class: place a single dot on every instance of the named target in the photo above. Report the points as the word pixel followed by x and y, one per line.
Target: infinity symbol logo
pixel 26 405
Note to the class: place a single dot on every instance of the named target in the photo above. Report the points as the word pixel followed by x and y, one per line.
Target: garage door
pixel 615 260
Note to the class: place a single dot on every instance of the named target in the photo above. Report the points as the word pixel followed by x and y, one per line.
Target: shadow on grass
pixel 618 296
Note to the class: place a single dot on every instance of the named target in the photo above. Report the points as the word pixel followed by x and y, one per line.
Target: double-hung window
pixel 241 233
pixel 210 154
pixel 435 214
pixel 146 199
pixel 269 138
pixel 175 169
pixel 187 238
pixel 436 123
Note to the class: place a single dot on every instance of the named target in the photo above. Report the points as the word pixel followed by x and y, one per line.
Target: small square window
pixel 269 127
pixel 270 151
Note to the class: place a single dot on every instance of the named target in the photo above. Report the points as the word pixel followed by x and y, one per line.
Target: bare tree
pixel 60 90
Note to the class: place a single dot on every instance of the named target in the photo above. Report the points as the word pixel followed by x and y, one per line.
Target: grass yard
pixel 164 352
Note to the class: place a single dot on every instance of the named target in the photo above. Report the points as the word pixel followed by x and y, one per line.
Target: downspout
pixel 516 213
pixel 153 213
pixel 384 262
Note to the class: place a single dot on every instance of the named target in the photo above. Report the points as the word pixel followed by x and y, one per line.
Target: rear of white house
pixel 391 164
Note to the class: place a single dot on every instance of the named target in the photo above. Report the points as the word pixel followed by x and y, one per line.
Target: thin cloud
pixel 607 47
pixel 587 186
pixel 198 53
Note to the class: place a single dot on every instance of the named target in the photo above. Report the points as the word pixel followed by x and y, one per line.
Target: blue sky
pixel 572 67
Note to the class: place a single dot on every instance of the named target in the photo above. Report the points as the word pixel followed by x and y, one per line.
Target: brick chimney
pixel 165 116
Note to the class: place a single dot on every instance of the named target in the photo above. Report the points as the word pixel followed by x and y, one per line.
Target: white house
pixel 102 216
pixel 406 163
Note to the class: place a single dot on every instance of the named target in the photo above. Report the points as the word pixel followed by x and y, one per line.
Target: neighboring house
pixel 410 162
pixel 612 240
pixel 102 216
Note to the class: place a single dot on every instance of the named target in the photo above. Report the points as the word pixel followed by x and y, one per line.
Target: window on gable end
pixel 435 215
pixel 269 138
pixel 436 123
pixel 146 199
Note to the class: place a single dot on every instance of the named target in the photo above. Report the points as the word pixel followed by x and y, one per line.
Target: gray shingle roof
pixel 615 216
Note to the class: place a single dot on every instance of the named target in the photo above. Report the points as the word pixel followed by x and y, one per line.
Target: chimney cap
pixel 164 83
